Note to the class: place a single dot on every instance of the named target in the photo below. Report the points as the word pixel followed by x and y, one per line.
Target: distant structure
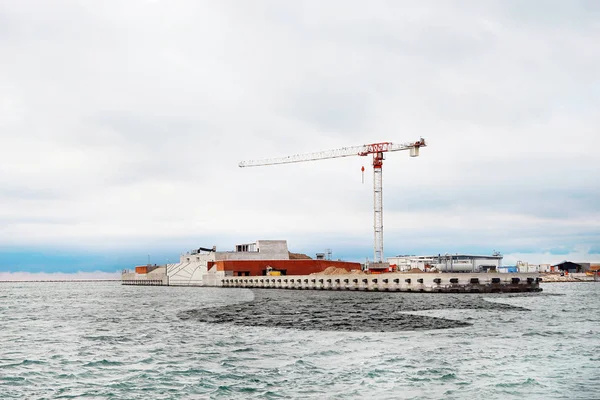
pixel 269 264
pixel 526 267
pixel 508 269
pixel 206 266
pixel 571 267
pixel 448 263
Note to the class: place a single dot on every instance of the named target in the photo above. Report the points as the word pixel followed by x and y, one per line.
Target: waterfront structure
pixel 448 263
pixel 396 282
pixel 207 266
pixel 269 264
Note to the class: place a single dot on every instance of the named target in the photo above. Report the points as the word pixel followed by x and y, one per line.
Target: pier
pixel 396 282
pixel 145 282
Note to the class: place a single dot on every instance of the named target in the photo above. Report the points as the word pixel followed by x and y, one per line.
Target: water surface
pixel 104 340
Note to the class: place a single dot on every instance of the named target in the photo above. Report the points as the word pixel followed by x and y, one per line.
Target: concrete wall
pixel 196 274
pixel 199 257
pixel 426 282
pixel 157 276
pixel 187 274
pixel 275 247
pixel 214 277
pixel 235 255
pixel 287 267
pixel 265 250
pixel 178 274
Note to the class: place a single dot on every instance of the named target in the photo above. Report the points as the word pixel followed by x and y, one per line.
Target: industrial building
pixel 207 266
pixel 448 263
pixel 527 267
pixel 577 267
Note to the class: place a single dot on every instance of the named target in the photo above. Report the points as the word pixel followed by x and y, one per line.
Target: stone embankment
pixel 576 277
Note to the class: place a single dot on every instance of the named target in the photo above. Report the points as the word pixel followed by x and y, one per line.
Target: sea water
pixel 104 340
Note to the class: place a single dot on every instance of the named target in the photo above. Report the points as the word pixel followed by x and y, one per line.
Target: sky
pixel 122 124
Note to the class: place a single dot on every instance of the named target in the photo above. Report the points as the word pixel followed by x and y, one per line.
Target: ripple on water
pixel 103 363
pixel 96 340
pixel 526 382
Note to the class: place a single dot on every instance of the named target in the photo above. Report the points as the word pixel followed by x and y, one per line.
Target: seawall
pixel 402 282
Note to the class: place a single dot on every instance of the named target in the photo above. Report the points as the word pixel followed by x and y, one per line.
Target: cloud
pixel 122 123
pixel 578 254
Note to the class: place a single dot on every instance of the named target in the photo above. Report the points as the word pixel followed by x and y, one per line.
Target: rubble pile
pixel 298 256
pixel 414 271
pixel 336 271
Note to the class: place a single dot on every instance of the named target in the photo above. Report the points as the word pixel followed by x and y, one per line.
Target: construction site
pixel 208 267
pixel 269 263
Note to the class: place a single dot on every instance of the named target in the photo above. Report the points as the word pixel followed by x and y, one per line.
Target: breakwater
pixel 402 282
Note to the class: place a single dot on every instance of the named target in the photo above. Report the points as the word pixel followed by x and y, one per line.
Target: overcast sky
pixel 122 124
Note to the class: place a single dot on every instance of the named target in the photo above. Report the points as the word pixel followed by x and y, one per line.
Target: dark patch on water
pixel 533 294
pixel 106 363
pixel 343 311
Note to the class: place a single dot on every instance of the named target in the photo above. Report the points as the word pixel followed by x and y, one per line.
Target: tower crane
pixel 377 149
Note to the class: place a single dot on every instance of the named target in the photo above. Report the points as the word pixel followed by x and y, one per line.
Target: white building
pixel 194 266
pixel 448 262
pixel 525 267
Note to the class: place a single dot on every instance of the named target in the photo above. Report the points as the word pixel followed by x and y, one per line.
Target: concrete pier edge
pixel 390 282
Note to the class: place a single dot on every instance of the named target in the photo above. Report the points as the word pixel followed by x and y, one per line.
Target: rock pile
pixel 565 278
pixel 414 271
pixel 298 256
pixel 336 271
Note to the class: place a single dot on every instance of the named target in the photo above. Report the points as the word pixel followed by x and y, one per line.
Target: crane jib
pixel 363 150
pixel 376 149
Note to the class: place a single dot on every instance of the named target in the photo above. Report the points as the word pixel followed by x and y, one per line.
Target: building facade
pixel 448 263
pixel 207 266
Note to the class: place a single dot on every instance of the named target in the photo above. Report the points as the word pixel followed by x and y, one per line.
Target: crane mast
pixel 377 150
pixel 378 207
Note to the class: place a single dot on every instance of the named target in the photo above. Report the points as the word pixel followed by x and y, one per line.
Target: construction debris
pixel 414 271
pixel 298 256
pixel 337 271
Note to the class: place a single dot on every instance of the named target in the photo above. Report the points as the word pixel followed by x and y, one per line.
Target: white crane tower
pixel 377 149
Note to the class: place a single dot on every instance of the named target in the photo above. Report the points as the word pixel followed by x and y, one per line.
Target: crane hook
pixel 362 169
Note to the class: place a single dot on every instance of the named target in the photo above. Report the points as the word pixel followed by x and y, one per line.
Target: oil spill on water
pixel 345 311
